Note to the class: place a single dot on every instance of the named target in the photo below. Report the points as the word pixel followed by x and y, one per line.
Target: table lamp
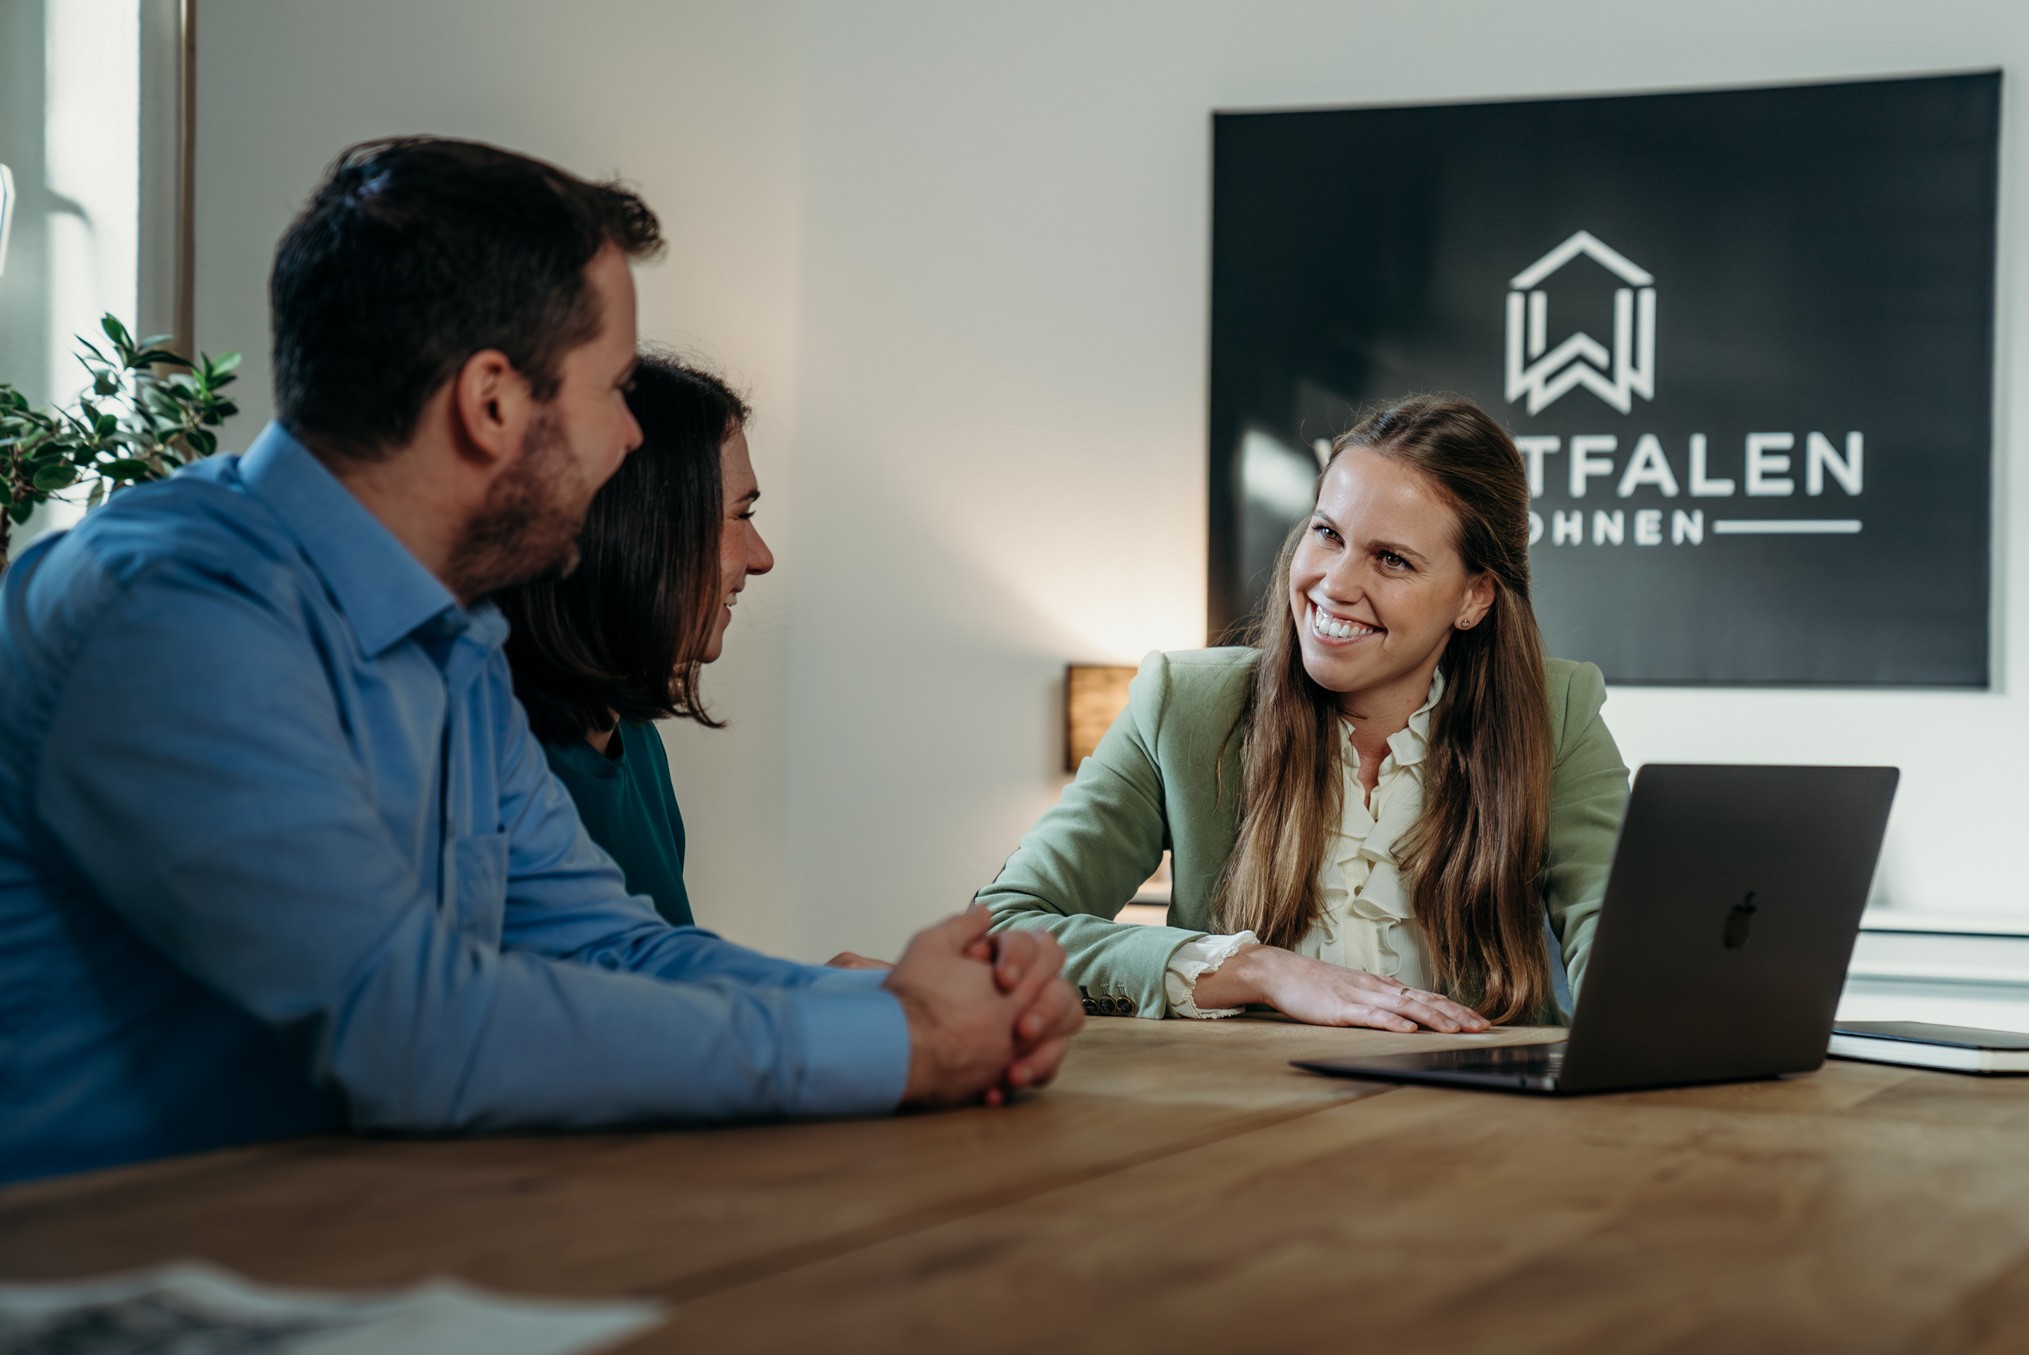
pixel 1094 696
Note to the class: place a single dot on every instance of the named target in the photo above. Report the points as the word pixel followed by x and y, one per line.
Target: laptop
pixel 1722 945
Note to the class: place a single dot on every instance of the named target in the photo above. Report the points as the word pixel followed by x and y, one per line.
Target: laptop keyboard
pixel 1530 1060
pixel 1500 1063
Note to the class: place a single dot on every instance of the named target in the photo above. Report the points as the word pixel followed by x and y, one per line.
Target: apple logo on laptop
pixel 1738 920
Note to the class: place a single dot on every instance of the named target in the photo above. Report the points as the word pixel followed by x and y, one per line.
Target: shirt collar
pixel 1406 746
pixel 1411 742
pixel 383 590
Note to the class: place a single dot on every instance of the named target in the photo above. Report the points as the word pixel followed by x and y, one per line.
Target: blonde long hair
pixel 1475 855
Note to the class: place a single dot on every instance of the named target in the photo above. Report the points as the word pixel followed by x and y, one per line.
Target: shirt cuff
pixel 1192 961
pixel 855 1053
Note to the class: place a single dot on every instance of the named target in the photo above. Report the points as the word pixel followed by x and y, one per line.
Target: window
pixel 92 118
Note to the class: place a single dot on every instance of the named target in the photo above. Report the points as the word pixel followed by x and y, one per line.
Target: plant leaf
pixel 52 478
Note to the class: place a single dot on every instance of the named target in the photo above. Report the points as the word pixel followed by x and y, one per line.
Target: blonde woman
pixel 1372 810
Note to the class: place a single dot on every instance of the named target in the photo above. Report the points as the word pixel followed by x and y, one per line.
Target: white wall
pixel 961 251
pixel 71 117
pixel 695 103
pixel 1002 458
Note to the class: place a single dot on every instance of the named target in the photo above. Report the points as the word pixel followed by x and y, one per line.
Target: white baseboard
pixel 1950 969
pixel 1959 924
pixel 1988 1007
pixel 1942 957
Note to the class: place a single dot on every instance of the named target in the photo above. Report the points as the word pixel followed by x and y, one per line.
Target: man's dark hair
pixel 414 254
pixel 621 634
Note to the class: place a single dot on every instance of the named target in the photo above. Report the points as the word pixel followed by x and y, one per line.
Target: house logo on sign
pixel 1581 360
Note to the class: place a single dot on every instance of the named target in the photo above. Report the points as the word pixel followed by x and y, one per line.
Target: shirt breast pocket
pixel 479 886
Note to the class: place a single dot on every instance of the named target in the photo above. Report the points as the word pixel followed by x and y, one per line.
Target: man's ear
pixel 1479 600
pixel 491 405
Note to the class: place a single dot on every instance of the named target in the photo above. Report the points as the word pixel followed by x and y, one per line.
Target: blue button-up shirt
pixel 278 855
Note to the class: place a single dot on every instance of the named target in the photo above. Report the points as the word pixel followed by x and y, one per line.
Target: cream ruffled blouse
pixel 1369 920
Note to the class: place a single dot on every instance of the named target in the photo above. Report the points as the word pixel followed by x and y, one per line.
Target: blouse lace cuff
pixel 1192 961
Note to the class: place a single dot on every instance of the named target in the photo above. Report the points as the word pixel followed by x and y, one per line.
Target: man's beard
pixel 528 526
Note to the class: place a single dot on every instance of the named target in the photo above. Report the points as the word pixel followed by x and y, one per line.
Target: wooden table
pixel 1180 1190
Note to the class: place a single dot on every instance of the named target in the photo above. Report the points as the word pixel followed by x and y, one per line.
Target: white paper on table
pixel 195 1309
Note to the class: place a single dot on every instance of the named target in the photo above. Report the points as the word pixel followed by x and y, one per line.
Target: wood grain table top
pixel 1180 1189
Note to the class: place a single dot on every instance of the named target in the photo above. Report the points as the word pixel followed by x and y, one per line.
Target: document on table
pixel 195 1309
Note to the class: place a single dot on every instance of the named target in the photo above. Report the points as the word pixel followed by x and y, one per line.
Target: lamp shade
pixel 1094 696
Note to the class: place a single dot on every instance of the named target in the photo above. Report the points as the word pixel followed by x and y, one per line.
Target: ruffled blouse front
pixel 1369 919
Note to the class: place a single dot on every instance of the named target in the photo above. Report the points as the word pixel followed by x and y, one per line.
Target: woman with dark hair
pixel 604 651
pixel 1374 808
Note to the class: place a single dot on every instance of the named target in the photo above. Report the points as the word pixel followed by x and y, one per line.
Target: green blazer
pixel 1167 777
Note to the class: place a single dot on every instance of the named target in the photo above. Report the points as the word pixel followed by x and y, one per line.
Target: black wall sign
pixel 1744 339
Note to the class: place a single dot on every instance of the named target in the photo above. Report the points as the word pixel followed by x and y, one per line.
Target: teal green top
pixel 1167 777
pixel 629 808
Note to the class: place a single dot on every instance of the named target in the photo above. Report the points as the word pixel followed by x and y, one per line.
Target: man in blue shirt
pixel 277 853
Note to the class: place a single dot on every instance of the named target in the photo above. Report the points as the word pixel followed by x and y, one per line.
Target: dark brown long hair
pixel 621 633
pixel 1475 855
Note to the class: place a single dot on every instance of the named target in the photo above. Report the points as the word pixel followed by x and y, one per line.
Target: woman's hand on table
pixel 1008 954
pixel 847 959
pixel 1323 994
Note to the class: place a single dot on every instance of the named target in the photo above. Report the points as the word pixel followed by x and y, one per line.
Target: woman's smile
pixel 1332 628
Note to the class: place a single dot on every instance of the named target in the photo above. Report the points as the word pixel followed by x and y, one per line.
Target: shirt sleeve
pixel 197 775
pixel 1084 858
pixel 1191 962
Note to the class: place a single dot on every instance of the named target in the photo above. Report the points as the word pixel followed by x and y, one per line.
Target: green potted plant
pixel 148 410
